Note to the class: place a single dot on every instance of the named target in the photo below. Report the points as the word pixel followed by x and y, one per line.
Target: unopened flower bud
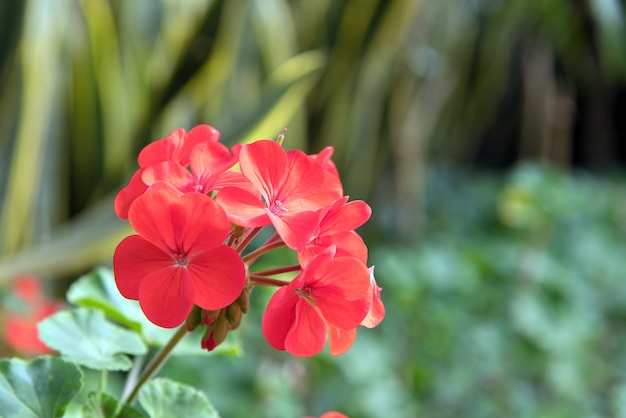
pixel 233 315
pixel 244 300
pixel 220 330
pixel 194 319
pixel 208 317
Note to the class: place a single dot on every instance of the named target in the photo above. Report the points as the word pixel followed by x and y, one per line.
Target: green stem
pixel 157 361
pixel 247 238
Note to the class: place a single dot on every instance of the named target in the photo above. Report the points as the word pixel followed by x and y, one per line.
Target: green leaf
pixel 97 289
pixel 106 406
pixel 37 388
pixel 85 337
pixel 164 398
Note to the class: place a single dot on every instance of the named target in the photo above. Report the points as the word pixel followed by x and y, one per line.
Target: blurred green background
pixel 487 135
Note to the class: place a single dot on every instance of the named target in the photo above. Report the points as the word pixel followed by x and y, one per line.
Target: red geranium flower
pixel 178 259
pixel 208 161
pixel 337 223
pixel 176 147
pixel 331 292
pixel 290 187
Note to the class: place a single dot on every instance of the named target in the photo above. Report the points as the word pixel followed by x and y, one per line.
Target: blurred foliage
pixel 509 304
pixel 84 84
pixel 512 303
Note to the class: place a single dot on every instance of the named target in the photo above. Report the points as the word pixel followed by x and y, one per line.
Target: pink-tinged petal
pixel 233 179
pixel 279 316
pixel 169 172
pixel 323 158
pixel 133 260
pixel 339 311
pixel 242 207
pixel 331 187
pixel 206 224
pixel 308 334
pixel 166 296
pixel 341 340
pixel 135 188
pixel 303 180
pixel 163 149
pixel 197 135
pixel 263 163
pixel 345 273
pixel 219 276
pixel 348 244
pixel 210 159
pixel 347 217
pixel 160 217
pixel 295 228
pixel 377 309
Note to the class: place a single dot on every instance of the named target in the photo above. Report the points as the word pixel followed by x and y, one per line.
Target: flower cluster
pixel 196 206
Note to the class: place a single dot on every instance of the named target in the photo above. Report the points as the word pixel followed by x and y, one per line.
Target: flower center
pixel 276 207
pixel 181 260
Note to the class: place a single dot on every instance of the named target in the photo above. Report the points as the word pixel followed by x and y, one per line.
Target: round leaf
pixel 85 337
pixel 164 398
pixel 37 388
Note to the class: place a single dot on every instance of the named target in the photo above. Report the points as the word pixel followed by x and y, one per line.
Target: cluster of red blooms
pixel 196 205
pixel 29 306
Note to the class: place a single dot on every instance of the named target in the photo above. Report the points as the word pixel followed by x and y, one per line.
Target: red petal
pixel 377 309
pixel 345 273
pixel 279 316
pixel 219 276
pixel 206 224
pixel 163 149
pixel 345 218
pixel 263 163
pixel 308 334
pixel 160 217
pixel 211 159
pixel 295 229
pixel 133 260
pixel 304 179
pixel 233 179
pixel 195 136
pixel 341 340
pixel 339 311
pixel 135 188
pixel 348 244
pixel 166 296
pixel 167 171
pixel 242 207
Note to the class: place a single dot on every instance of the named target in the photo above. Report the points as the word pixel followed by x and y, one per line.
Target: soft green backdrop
pixel 504 290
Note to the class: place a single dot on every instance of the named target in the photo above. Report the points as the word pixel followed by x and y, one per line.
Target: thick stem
pixel 266 281
pixel 248 237
pixel 278 270
pixel 157 361
pixel 253 255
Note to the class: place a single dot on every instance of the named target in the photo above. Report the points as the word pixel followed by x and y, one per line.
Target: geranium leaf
pixel 97 289
pixel 164 398
pixel 37 388
pixel 106 406
pixel 85 337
